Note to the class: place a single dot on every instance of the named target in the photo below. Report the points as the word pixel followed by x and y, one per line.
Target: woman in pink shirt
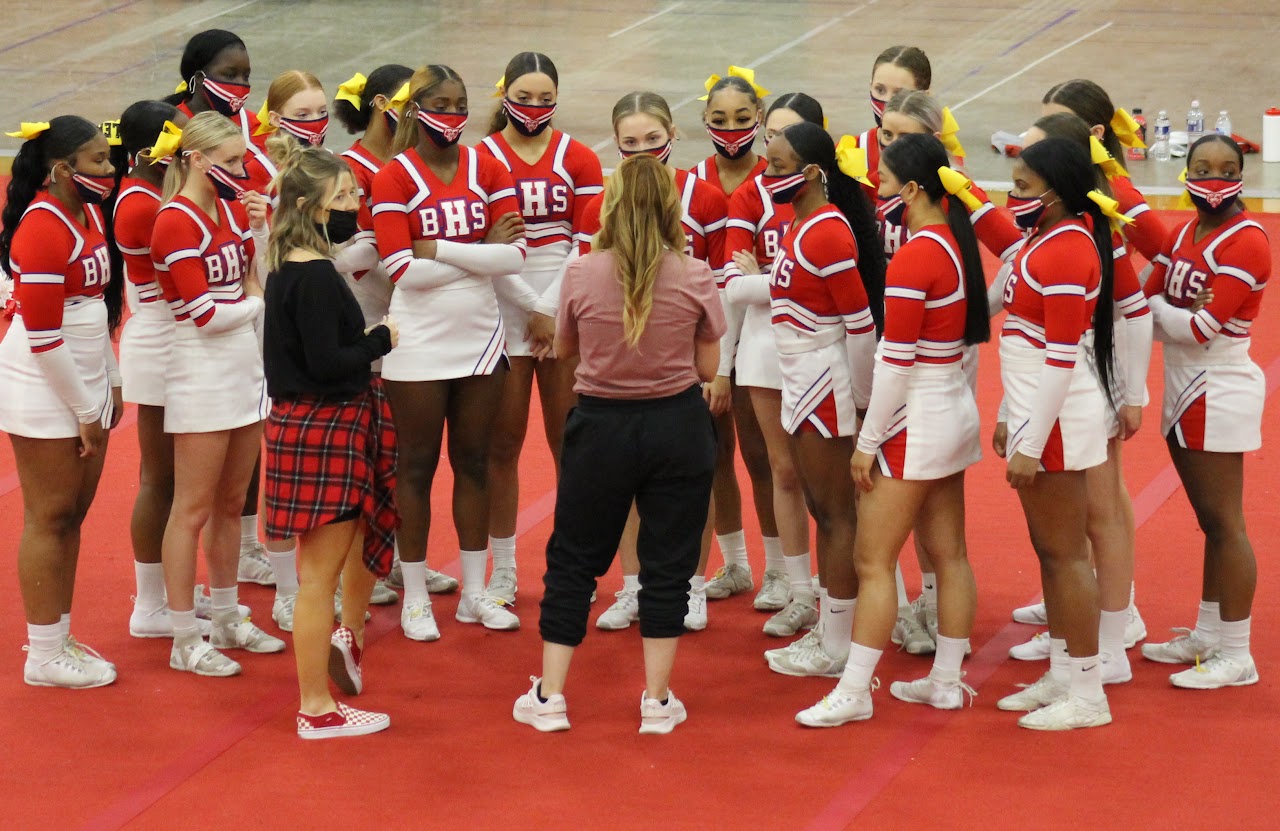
pixel 645 321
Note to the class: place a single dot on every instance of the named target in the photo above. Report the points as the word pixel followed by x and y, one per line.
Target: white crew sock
pixel 65 622
pixel 800 576
pixel 903 600
pixel 948 658
pixel 45 640
pixel 1209 622
pixel 474 565
pixel 824 607
pixel 224 600
pixel 696 584
pixel 1234 641
pixel 1133 590
pixel 150 585
pixel 1111 626
pixel 838 629
pixel 504 552
pixel 929 589
pixel 284 564
pixel 631 582
pixel 859 669
pixel 248 532
pixel 733 547
pixel 773 557
pixel 1059 666
pixel 1086 678
pixel 185 632
pixel 415 582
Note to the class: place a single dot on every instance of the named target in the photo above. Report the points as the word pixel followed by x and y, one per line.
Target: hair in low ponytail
pixel 423 82
pixel 203 132
pixel 523 64
pixel 386 80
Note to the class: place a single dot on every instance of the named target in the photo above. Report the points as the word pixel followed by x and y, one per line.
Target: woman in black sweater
pixel 330 438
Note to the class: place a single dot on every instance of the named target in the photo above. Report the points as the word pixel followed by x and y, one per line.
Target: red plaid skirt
pixel 328 458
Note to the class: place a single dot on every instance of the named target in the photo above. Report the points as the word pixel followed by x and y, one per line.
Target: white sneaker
pixel 813 636
pixel 810 659
pixel 1116 669
pixel 796 615
pixel 395 578
pixel 67 668
pixel 624 612
pixel 203 604
pixel 383 595
pixel 439 583
pixel 85 652
pixel 729 579
pixel 337 607
pixel 1187 648
pixel 1135 630
pixel 157 624
pixel 695 619
pixel 254 566
pixel 1069 713
pixel 839 708
pixel 1043 692
pixel 1217 672
pixel 282 610
pixel 546 716
pixel 942 695
pixel 242 633
pixel 657 717
pixel 502 585
pixel 910 634
pixel 202 659
pixel 927 616
pixel 1036 649
pixel 775 591
pixel 491 611
pixel 1034 614
pixel 419 622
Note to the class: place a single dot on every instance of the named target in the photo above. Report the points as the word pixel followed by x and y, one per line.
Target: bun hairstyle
pixel 1216 138
pixel 649 103
pixel 1091 102
pixel 919 106
pixel 909 58
pixel 285 86
pixel 1074 129
pixel 802 105
pixel 386 80
pixel 916 157
pixel 421 84
pixel 306 183
pixel 736 83
pixel 202 50
pixel 526 63
pixel 203 132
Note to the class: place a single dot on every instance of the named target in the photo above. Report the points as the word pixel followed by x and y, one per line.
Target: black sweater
pixel 314 341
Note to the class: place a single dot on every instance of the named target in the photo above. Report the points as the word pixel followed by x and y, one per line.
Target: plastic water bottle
pixel 1137 154
pixel 1223 125
pixel 1160 150
pixel 1195 123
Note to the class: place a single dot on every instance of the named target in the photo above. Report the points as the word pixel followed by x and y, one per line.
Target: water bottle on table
pixel 1223 125
pixel 1195 123
pixel 1160 150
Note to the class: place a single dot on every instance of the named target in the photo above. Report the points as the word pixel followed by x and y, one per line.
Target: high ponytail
pixel 386 80
pixel 422 83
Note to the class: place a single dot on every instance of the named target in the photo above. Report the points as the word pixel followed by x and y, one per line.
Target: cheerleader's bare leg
pixel 1111 537
pixel 324 552
pixel 790 512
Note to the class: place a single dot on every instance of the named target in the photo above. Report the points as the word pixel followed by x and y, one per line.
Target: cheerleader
pixel 448 228
pixel 59 387
pixel 296 112
pixel 826 338
pixel 555 177
pixel 896 68
pixel 330 442
pixel 214 396
pixel 733 117
pixel 919 435
pixel 1056 409
pixel 755 227
pixel 1205 293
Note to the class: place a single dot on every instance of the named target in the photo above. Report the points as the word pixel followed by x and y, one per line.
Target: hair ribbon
pixel 960 186
pixel 852 160
pixel 748 75
pixel 30 129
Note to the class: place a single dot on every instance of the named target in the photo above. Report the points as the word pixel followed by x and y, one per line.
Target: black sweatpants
pixel 659 453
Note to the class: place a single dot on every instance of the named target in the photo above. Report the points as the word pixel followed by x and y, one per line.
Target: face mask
pixel 528 119
pixel 93 189
pixel 340 227
pixel 1027 212
pixel 891 209
pixel 734 144
pixel 783 189
pixel 393 119
pixel 310 132
pixel 663 153
pixel 224 96
pixel 228 185
pixel 877 109
pixel 1214 196
pixel 444 128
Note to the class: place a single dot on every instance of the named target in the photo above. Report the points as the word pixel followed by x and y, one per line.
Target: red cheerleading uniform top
pixel 55 261
pixel 709 171
pixel 755 224
pixel 135 218
pixel 246 120
pixel 925 308
pixel 364 166
pixel 201 264
pixel 1052 291
pixel 1147 232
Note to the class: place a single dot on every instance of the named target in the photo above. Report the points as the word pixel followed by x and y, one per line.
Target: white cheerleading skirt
pixel 145 346
pixel 373 293
pixel 450 332
pixel 756 364
pixel 1213 396
pixel 539 272
pixel 1078 439
pixel 817 390
pixel 936 433
pixel 29 406
pixel 214 382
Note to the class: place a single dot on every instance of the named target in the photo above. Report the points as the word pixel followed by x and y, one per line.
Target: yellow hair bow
pixel 352 90
pixel 959 186
pixel 1126 129
pixel 852 159
pixel 264 121
pixel 180 88
pixel 1103 159
pixel 30 129
pixel 748 75
pixel 950 134
pixel 826 125
pixel 1184 200
pixel 400 100
pixel 167 144
pixel 111 129
pixel 1110 208
pixel 500 88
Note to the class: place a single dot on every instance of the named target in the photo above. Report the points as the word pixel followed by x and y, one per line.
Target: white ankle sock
pixel 773 557
pixel 184 627
pixel 1059 666
pixel 929 589
pixel 504 552
pixel 631 582
pixel 824 608
pixel 65 622
pixel 949 657
pixel 696 584
pixel 149 578
pixel 838 627
pixel 224 600
pixel 733 547
pixel 1086 678
pixel 284 564
pixel 901 585
pixel 1234 642
pixel 1209 621
pixel 45 640
pixel 248 532
pixel 1111 626
pixel 800 576
pixel 415 582
pixel 474 564
pixel 1133 588
pixel 859 669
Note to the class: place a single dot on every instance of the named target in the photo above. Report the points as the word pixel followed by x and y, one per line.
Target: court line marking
pixel 70 25
pixel 1034 64
pixel 645 20
pixel 852 798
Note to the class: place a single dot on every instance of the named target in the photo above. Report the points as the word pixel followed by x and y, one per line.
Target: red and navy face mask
pixel 877 109
pixel 782 188
pixel 393 119
pixel 228 185
pixel 444 128
pixel 891 210
pixel 663 152
pixel 1214 196
pixel 93 190
pixel 310 131
pixel 225 97
pixel 734 144
pixel 1026 211
pixel 528 119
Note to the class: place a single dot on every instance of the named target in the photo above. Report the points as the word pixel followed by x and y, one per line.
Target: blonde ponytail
pixel 203 133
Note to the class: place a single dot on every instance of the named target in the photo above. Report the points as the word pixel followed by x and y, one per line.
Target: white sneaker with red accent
pixel 344 661
pixel 549 716
pixel 346 721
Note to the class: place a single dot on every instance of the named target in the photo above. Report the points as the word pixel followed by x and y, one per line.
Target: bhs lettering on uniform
pixel 97 266
pixel 538 197
pixel 1184 281
pixel 225 265
pixel 781 274
pixel 452 218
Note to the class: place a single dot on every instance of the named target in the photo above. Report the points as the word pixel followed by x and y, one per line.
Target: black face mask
pixel 340 227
